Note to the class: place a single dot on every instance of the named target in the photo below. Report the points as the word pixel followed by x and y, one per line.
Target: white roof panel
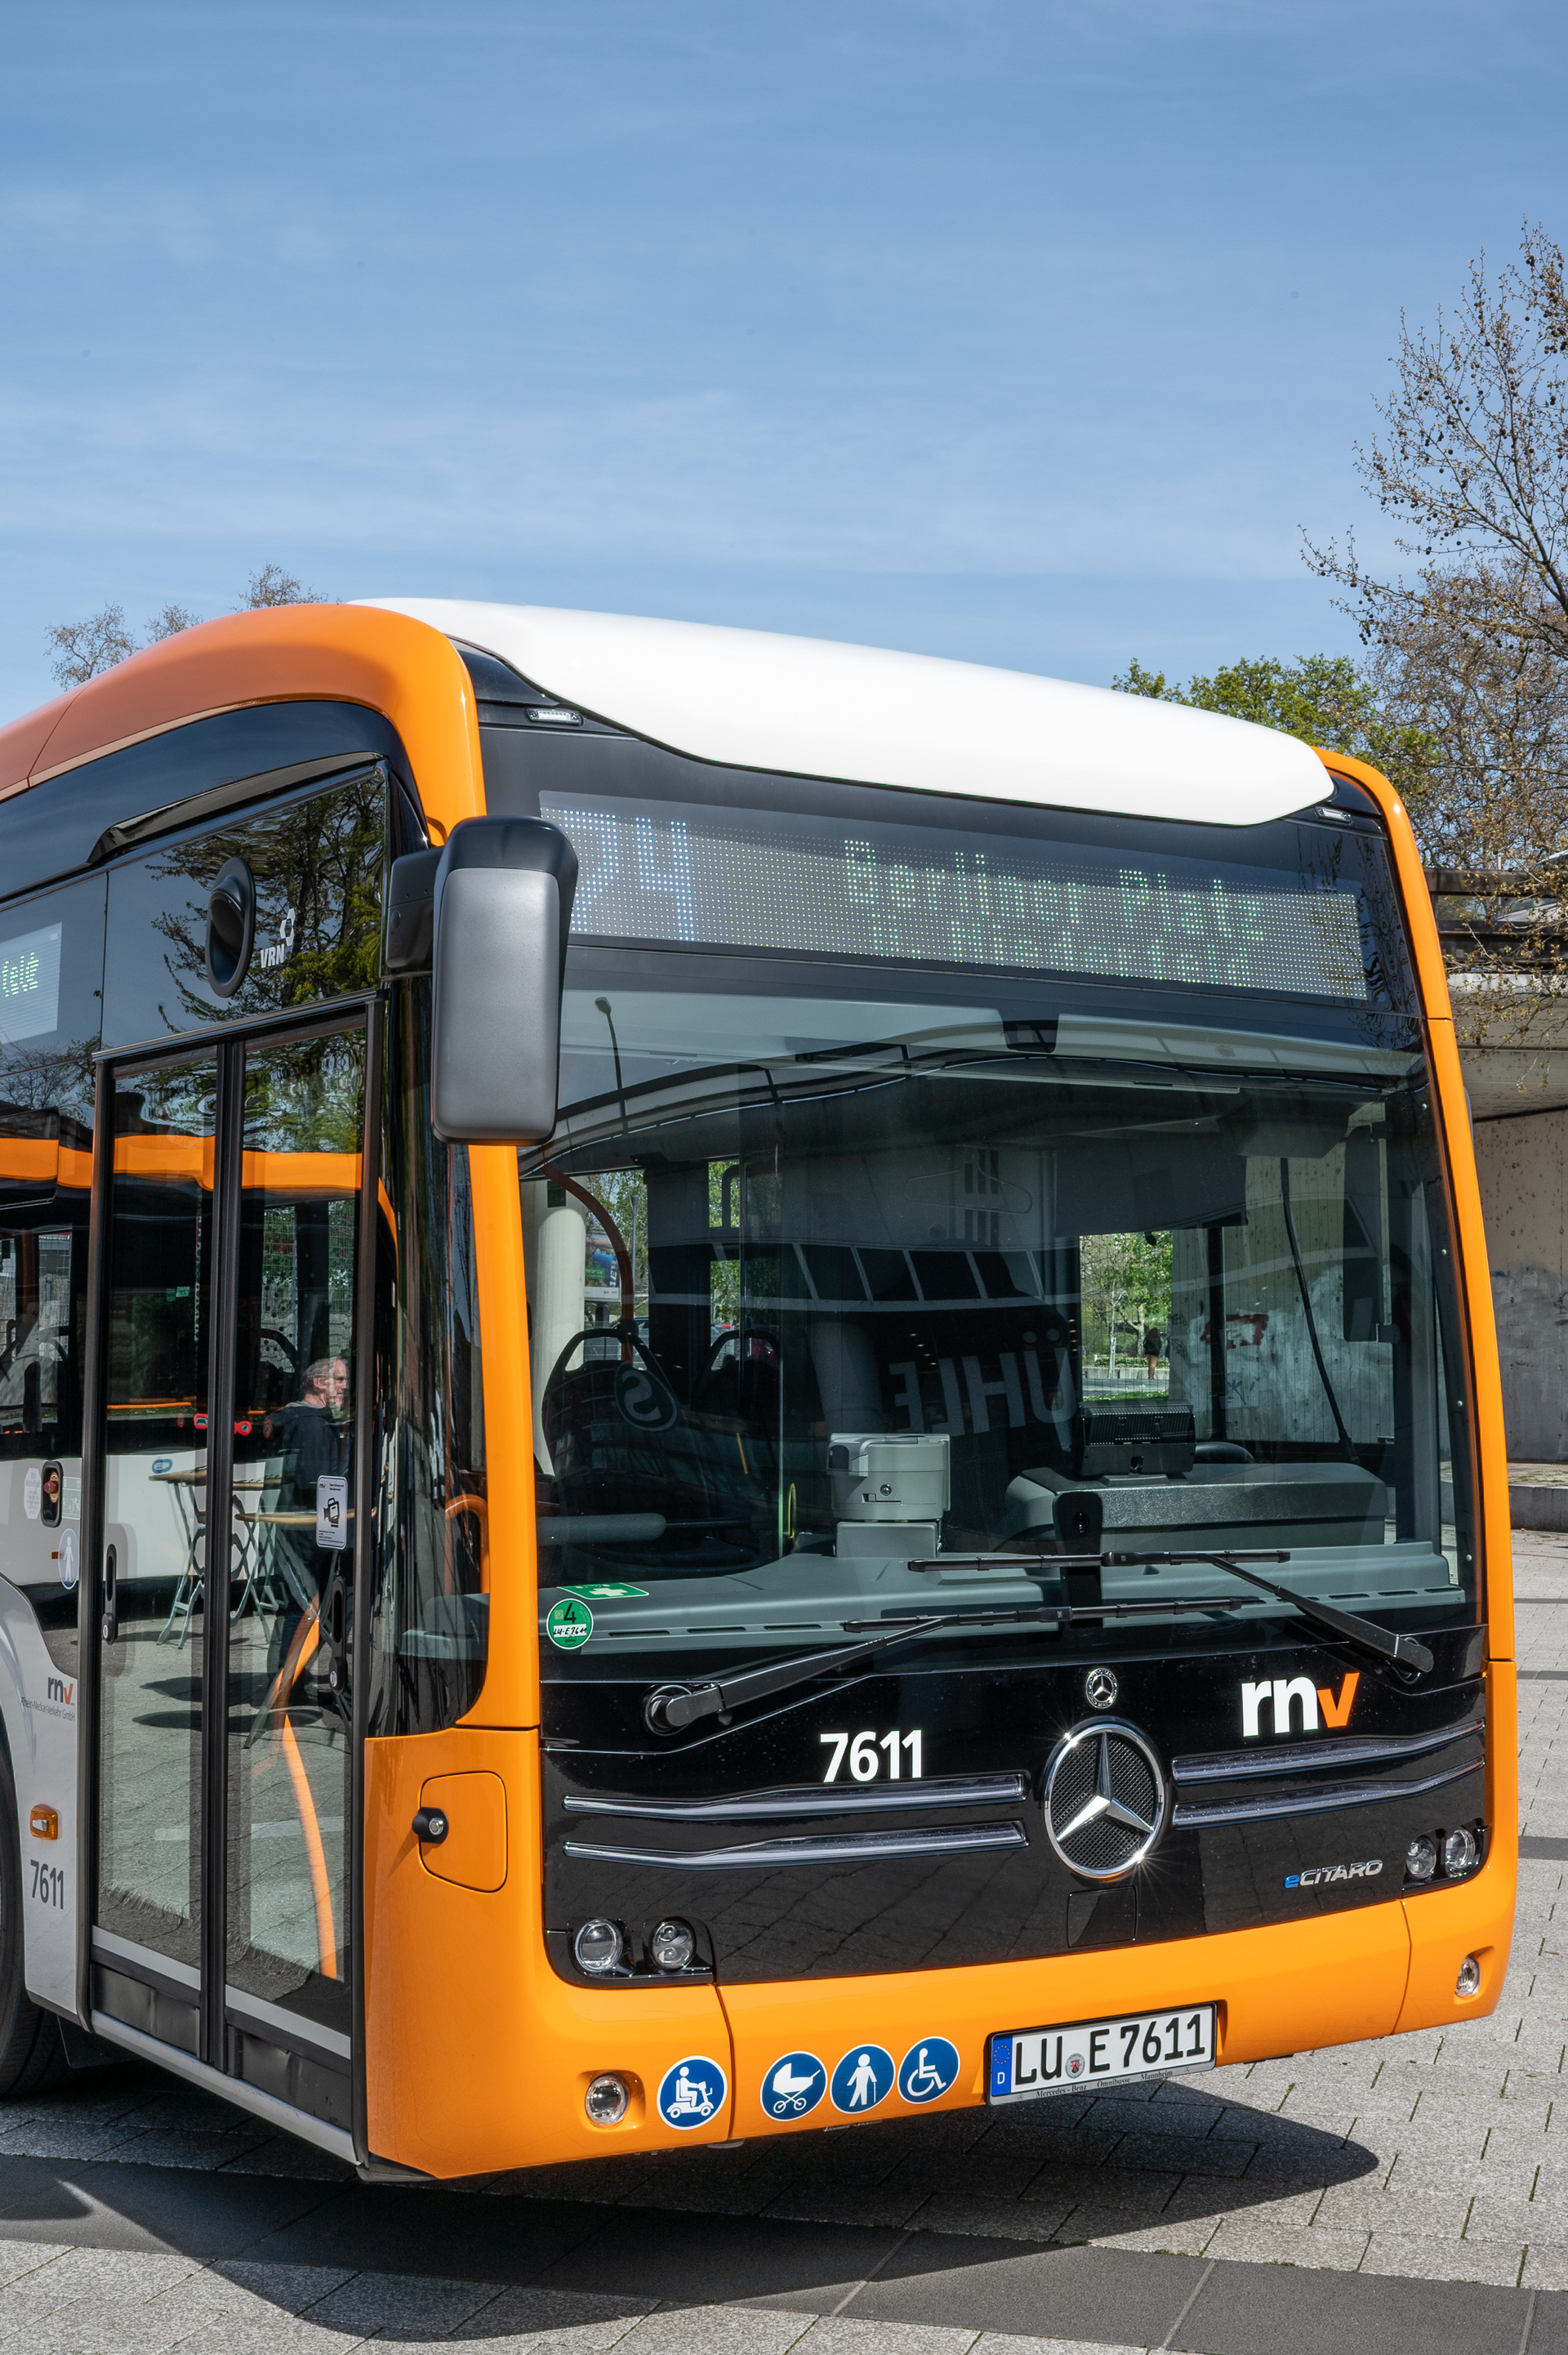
pixel 809 705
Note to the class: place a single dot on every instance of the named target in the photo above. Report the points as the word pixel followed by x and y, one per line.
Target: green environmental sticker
pixel 609 1590
pixel 569 1624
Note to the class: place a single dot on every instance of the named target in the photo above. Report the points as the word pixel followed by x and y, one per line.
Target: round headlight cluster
pixel 599 1947
pixel 672 1946
pixel 1454 1853
pixel 602 1949
pixel 1459 1853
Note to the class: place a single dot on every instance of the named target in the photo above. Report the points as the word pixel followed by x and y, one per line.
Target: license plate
pixel 1029 2062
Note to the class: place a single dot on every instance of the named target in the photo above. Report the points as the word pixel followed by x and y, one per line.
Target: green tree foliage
pixel 1125 1285
pixel 1326 699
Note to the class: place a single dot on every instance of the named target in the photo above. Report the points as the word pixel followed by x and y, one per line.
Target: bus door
pixel 224 1847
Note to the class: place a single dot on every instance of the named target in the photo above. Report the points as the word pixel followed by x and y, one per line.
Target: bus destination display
pixel 712 878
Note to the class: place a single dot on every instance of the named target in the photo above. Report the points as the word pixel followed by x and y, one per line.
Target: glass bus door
pixel 224 1849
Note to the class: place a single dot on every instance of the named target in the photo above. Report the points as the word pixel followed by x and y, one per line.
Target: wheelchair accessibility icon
pixel 692 2092
pixel 929 2070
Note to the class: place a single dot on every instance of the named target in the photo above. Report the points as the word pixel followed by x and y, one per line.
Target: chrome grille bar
pixel 847 1848
pixel 1299 1757
pixel 813 1799
pixel 1313 1803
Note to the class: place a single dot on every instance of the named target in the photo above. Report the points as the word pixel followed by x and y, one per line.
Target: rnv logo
pixel 1319 1704
pixel 58 1690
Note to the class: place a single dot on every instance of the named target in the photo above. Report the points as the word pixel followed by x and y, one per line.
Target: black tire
pixel 32 2055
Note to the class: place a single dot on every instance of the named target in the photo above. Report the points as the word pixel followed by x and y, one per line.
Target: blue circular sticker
pixel 863 2079
pixel 929 2070
pixel 794 2086
pixel 692 2092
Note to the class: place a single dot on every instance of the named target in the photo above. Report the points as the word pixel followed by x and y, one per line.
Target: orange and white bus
pixel 825 1316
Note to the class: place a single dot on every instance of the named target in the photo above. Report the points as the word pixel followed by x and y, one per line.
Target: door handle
pixel 110 1626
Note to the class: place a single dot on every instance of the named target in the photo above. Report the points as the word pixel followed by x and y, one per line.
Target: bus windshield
pixel 863 1287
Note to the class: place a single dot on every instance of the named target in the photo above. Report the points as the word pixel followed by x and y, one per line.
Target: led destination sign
pixel 742 879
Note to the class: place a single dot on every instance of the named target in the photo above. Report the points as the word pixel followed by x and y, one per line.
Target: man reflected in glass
pixel 307 1439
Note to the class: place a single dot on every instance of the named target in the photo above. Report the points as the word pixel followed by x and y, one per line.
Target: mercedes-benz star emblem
pixel 1104 1799
pixel 1101 1687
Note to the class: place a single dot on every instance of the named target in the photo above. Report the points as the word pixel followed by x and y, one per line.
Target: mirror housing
pixel 503 907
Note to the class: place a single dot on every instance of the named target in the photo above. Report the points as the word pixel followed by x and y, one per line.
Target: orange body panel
pixel 22 743
pixel 348 653
pixel 1490 1897
pixel 477 2055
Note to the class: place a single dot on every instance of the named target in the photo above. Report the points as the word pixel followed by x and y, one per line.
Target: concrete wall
pixel 1523 1168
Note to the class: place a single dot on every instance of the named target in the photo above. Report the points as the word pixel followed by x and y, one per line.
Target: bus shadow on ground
pixel 1065 2171
pixel 800 2219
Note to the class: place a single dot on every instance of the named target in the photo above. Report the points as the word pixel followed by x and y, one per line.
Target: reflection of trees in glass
pixel 318 886
pixel 42 1081
pixel 1125 1284
pixel 624 1194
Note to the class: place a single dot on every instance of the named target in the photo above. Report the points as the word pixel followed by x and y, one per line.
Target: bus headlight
pixel 606 2100
pixel 1469 1979
pixel 671 1945
pixel 598 1947
pixel 1421 1857
pixel 1459 1853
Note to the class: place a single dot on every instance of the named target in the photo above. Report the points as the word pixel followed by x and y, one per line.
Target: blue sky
pixel 1034 333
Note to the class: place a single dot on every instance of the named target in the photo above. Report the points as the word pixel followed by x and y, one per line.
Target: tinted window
pixel 317 859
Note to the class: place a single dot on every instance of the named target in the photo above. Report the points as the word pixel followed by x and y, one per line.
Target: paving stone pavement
pixel 1431 2160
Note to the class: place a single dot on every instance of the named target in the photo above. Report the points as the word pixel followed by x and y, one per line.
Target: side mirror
pixel 503 907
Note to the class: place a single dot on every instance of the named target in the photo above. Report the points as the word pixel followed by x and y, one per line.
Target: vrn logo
pixel 1319 1704
pixel 58 1690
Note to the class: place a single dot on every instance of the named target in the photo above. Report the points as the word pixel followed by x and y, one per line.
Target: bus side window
pixel 51 965
pixel 431 1623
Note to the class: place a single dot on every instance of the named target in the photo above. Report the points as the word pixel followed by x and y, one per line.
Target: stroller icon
pixel 789 2092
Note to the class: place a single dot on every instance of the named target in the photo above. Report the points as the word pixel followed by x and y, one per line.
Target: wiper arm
pixel 1404 1651
pixel 670 1708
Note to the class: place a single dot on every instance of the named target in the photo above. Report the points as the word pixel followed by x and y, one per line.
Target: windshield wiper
pixel 670 1708
pixel 1404 1651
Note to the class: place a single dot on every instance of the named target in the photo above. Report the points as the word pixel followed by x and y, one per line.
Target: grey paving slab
pixel 842 2335
pixel 553 2321
pixel 811 2265
pixel 1058 2293
pixel 1256 2310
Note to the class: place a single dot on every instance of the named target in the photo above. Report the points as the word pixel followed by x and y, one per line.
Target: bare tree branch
pixel 80 650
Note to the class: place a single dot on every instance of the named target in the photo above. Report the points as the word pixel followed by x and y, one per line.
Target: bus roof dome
pixel 757 700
